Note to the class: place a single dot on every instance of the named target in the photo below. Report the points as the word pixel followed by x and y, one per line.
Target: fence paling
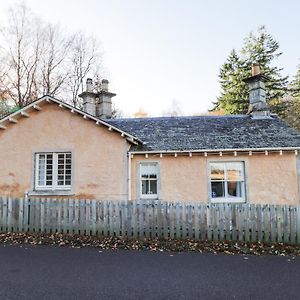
pixel 298 224
pixel 243 222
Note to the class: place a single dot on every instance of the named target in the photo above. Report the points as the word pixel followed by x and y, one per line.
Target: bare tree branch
pixel 85 60
pixel 37 58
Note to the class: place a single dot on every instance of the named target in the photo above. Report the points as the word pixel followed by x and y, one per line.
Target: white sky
pixel 160 51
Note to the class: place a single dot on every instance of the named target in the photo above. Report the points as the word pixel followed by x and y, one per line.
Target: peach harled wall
pixel 100 162
pixel 270 179
pixel 99 156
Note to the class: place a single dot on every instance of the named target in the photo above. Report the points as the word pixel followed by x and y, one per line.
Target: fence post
pixel 178 231
pixel 292 224
pixel 196 221
pixel 42 214
pixel 26 213
pixel 298 224
pixel 208 221
pixel 9 215
pixel 228 235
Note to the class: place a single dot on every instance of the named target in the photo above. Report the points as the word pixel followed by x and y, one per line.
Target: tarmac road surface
pixel 47 272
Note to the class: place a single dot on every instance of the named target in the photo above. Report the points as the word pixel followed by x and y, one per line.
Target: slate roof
pixel 197 133
pixel 209 132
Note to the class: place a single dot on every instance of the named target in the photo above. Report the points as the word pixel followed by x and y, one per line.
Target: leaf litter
pixel 150 244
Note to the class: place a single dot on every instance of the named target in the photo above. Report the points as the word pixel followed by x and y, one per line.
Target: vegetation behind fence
pixel 237 222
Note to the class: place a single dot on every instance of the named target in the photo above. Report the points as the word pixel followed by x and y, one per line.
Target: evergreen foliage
pixel 295 85
pixel 292 116
pixel 260 48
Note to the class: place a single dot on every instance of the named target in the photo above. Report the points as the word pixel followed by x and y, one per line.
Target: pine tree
pixel 295 85
pixel 292 116
pixel 260 48
pixel 234 89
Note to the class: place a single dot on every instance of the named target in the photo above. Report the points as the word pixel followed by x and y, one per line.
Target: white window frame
pixel 149 196
pixel 227 198
pixel 54 185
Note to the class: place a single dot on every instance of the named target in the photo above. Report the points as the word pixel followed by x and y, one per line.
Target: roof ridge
pixel 180 117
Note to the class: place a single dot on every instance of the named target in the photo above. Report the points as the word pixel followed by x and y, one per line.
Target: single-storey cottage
pixel 50 148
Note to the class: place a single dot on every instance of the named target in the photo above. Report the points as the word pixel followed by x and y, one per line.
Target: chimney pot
pixel 105 83
pixel 255 69
pixel 89 85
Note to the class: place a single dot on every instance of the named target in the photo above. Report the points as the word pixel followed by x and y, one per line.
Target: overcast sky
pixel 160 51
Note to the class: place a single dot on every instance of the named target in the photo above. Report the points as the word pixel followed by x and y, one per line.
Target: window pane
pixel 217 189
pixel 149 169
pixel 149 187
pixel 145 187
pixel 41 162
pixel 49 166
pixel 63 169
pixel 234 171
pixel 49 159
pixel 60 156
pixel 149 175
pixel 235 188
pixel 41 169
pixel 217 171
pixel 153 187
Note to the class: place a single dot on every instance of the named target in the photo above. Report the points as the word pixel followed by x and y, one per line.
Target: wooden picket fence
pixel 218 222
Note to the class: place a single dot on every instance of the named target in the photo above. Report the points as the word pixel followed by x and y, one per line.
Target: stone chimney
pixel 97 104
pixel 104 109
pixel 89 98
pixel 258 107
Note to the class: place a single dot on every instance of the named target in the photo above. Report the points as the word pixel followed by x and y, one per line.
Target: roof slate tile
pixel 209 132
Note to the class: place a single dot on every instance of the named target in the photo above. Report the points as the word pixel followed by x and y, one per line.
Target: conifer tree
pixel 260 48
pixel 292 116
pixel 233 88
pixel 295 85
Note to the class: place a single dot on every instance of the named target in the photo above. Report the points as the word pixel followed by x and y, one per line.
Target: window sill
pixel 148 200
pixel 51 193
pixel 227 200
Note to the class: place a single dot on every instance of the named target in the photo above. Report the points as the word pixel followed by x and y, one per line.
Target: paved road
pixel 64 273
